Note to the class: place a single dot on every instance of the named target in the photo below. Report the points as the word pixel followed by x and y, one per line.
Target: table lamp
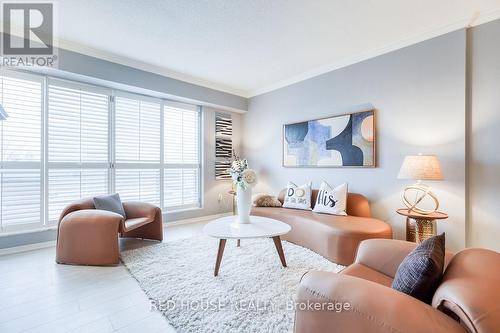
pixel 420 167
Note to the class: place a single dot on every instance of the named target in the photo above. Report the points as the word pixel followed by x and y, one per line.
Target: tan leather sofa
pixel 89 236
pixel 334 237
pixel 467 300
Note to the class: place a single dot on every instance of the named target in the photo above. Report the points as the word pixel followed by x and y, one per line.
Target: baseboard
pixel 25 248
pixel 195 220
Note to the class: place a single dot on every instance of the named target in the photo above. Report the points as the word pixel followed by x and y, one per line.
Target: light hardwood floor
pixel 38 295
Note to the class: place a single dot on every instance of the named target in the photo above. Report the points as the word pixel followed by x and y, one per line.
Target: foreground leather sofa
pixel 89 236
pixel 465 301
pixel 334 237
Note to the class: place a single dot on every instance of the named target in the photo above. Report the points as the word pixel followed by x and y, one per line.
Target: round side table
pixel 419 227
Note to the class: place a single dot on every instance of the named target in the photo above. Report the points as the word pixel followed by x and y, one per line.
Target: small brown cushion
pixel 265 200
pixel 420 272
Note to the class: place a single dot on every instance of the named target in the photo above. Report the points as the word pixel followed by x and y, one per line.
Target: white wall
pixel 419 96
pixel 484 157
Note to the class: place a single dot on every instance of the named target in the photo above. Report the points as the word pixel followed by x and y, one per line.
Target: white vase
pixel 244 204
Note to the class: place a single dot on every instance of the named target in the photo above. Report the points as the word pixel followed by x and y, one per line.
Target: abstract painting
pixel 223 145
pixel 339 141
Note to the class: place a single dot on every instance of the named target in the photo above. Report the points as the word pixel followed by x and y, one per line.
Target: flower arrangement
pixel 241 175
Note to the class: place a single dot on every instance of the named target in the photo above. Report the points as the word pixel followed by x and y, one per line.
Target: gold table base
pixel 418 230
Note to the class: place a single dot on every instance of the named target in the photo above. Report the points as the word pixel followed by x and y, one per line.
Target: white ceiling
pixel 248 47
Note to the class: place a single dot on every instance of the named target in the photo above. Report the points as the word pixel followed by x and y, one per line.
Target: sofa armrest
pixel 100 220
pixel 383 255
pixel 365 307
pixel 92 216
pixel 75 206
pixel 135 209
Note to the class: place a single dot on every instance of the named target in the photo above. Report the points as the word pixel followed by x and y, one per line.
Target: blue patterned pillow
pixel 420 272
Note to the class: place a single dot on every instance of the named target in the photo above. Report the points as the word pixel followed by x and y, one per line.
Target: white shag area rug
pixel 253 292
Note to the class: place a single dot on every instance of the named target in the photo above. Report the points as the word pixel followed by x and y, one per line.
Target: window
pixel 78 144
pixel 21 151
pixel 138 148
pixel 182 156
pixel 64 141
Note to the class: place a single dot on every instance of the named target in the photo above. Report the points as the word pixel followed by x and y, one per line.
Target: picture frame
pixel 223 145
pixel 340 141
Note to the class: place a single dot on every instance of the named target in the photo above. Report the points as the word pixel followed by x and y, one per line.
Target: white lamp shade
pixel 421 167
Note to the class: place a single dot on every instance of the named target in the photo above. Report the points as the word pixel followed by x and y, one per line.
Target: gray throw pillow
pixel 420 272
pixel 110 203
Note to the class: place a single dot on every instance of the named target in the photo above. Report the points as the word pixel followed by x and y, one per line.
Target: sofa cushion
pixel 131 224
pixel 334 237
pixel 331 200
pixel 298 197
pixel 265 200
pixel 357 204
pixel 420 272
pixel 111 203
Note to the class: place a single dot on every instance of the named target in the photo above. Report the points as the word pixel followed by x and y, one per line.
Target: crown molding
pixel 125 61
pixel 475 20
pixel 122 60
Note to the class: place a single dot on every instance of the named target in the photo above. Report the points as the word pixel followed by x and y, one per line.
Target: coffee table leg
pixel 238 243
pixel 222 244
pixel 279 248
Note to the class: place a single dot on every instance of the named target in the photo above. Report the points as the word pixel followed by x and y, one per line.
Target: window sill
pixel 181 210
pixel 54 227
pixel 26 231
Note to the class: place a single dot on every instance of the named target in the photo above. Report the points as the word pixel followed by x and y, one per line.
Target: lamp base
pixel 422 191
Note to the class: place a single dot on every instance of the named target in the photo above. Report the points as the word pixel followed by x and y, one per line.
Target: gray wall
pixel 484 157
pixel 26 238
pixel 419 96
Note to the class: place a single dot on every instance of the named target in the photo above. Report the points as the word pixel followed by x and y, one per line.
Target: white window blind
pixel 139 185
pixel 65 140
pixel 138 143
pixel 78 144
pixel 20 145
pixel 182 156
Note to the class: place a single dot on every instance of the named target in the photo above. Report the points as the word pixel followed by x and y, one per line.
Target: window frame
pixel 198 166
pixel 26 165
pixel 137 165
pixel 44 165
pixel 50 165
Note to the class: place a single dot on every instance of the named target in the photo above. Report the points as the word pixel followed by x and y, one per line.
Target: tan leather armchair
pixel 89 236
pixel 465 301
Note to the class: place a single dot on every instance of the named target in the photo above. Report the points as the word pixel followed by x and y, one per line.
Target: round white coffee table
pixel 260 227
